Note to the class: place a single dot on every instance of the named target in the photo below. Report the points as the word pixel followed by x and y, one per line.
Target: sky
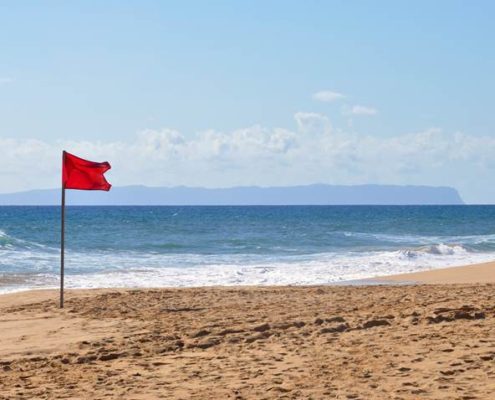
pixel 230 93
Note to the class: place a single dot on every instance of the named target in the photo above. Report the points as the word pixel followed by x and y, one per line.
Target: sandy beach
pixel 476 273
pixel 344 342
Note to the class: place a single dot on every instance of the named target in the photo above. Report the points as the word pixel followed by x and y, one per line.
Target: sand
pixel 476 273
pixel 369 342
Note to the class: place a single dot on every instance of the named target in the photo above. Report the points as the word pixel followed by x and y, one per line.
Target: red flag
pixel 83 174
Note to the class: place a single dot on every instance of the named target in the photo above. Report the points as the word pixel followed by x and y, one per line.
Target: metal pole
pixel 62 249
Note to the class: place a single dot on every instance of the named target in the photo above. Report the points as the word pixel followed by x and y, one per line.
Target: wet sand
pixel 368 342
pixel 476 273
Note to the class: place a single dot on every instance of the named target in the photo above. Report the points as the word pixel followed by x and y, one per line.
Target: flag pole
pixel 79 174
pixel 62 248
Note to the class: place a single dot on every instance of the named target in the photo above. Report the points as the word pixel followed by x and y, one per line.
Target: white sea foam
pixel 183 270
pixel 326 270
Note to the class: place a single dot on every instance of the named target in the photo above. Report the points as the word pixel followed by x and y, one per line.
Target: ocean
pixel 241 245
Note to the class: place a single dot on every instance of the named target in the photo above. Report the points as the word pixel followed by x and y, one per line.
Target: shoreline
pixel 479 273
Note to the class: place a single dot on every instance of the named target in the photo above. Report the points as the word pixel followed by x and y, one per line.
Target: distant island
pixel 317 194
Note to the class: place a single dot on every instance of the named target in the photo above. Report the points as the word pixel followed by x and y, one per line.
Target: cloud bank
pixel 313 152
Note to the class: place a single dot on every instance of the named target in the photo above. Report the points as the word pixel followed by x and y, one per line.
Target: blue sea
pixel 196 246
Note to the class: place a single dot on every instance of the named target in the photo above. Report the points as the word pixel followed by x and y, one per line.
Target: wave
pixel 135 269
pixel 440 249
pixel 482 242
pixel 9 242
pixel 5 240
pixel 325 269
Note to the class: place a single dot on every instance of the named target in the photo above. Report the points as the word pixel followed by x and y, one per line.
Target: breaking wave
pixel 132 269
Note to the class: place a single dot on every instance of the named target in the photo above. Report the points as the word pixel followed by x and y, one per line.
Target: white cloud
pixel 257 155
pixel 328 96
pixel 363 110
pixel 312 123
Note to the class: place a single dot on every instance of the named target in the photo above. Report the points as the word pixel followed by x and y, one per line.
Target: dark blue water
pixel 190 246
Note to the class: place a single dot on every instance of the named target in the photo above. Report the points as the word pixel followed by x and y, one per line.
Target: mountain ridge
pixel 314 194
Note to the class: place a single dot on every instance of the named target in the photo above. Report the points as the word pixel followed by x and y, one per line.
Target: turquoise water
pixel 194 246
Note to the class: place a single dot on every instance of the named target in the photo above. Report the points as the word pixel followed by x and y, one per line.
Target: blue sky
pixel 225 93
